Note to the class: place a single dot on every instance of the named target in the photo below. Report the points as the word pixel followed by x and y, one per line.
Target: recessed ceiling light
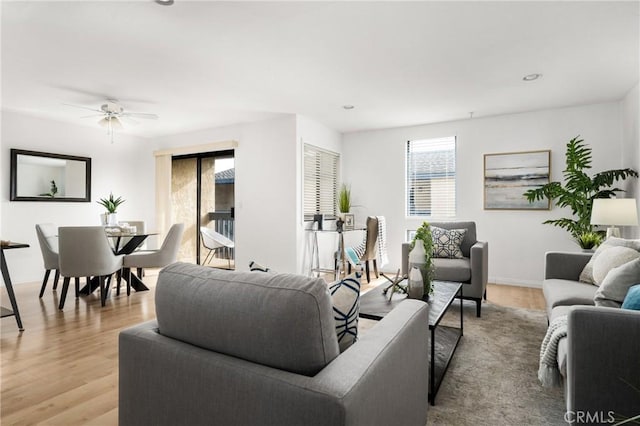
pixel 164 2
pixel 348 106
pixel 531 77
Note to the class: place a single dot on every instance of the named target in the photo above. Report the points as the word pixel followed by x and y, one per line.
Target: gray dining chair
pixel 165 255
pixel 48 239
pixel 85 252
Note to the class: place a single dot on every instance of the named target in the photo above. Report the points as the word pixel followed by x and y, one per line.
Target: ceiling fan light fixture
pixel 115 123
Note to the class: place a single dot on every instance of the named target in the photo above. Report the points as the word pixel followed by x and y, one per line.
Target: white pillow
pixel 612 258
pixel 616 284
pixel 586 276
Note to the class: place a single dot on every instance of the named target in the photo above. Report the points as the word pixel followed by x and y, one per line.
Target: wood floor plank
pixel 63 369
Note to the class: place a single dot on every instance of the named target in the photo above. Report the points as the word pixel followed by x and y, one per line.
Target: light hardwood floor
pixel 63 369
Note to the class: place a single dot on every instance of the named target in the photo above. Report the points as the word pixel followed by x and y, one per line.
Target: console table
pixel 7 282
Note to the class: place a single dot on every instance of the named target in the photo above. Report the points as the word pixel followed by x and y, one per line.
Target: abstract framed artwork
pixel 507 176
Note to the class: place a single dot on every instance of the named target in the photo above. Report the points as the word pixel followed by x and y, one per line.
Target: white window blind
pixel 320 182
pixel 431 177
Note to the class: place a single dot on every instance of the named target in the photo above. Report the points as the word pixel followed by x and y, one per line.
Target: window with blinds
pixel 320 182
pixel 431 177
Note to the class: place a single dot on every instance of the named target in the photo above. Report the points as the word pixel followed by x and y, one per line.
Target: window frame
pixel 325 155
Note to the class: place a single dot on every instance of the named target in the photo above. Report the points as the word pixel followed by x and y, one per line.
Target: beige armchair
pixel 86 252
pixel 472 270
pixel 48 238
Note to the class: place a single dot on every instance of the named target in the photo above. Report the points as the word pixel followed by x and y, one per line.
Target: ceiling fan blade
pixel 129 120
pixel 140 115
pixel 83 107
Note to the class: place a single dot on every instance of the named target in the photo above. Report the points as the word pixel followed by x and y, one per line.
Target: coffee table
pixel 375 305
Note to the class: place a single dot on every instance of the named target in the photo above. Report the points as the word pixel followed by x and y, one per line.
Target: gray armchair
pixel 472 270
pixel 249 348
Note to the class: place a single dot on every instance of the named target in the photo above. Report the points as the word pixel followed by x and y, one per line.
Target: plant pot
pixel 103 219
pixel 112 219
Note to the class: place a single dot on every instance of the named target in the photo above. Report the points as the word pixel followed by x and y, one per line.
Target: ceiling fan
pixel 112 113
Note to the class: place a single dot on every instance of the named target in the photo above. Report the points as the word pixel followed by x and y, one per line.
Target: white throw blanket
pixel 549 373
pixel 382 257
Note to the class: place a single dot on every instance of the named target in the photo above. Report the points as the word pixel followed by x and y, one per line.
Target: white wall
pixel 125 167
pixel 374 164
pixel 314 133
pixel 631 151
pixel 265 188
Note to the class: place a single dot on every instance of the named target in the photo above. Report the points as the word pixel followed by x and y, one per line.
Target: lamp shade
pixel 614 211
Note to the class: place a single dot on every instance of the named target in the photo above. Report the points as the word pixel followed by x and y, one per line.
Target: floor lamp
pixel 614 211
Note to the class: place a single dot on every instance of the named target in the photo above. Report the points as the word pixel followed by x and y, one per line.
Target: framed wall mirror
pixel 42 176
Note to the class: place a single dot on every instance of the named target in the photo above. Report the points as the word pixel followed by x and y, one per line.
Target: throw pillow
pixel 446 242
pixel 586 276
pixel 632 299
pixel 616 284
pixel 612 258
pixel 345 296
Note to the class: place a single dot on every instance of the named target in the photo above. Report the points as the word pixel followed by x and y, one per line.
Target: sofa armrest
pixel 564 265
pixel 479 258
pixel 603 366
pixel 163 381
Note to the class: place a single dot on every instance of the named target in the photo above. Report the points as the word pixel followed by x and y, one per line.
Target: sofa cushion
pixel 283 321
pixel 446 242
pixel 617 283
pixel 345 297
pixel 587 273
pixel 632 299
pixel 612 258
pixel 559 292
pixel 458 270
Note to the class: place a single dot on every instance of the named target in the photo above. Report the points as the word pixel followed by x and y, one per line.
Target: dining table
pixel 123 242
pixel 6 312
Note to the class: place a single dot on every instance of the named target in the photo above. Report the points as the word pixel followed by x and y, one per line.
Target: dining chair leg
pixel 55 280
pixel 118 279
pixel 65 288
pixel 127 277
pixel 366 268
pixel 375 267
pixel 44 282
pixel 103 293
pixel 77 282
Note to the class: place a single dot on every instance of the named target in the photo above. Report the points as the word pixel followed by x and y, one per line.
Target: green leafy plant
pixel 589 240
pixel 344 199
pixel 579 189
pixel 111 203
pixel 53 191
pixel 423 234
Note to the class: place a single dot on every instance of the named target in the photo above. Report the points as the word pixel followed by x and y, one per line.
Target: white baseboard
pixel 517 283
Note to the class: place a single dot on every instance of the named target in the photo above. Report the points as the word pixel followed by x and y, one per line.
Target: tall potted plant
pixel 344 199
pixel 423 236
pixel 111 204
pixel 578 192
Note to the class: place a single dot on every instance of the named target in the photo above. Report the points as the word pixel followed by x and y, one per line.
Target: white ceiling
pixel 207 64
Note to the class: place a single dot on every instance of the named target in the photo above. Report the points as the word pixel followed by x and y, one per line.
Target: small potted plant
pixel 344 199
pixel 589 240
pixel 111 204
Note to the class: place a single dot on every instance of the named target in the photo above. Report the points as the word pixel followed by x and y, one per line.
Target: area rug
pixel 492 378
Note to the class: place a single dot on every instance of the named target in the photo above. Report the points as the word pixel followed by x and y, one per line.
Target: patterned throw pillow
pixel 446 242
pixel 345 297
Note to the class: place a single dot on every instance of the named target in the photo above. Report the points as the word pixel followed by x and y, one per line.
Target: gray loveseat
pixel 600 357
pixel 244 348
pixel 472 270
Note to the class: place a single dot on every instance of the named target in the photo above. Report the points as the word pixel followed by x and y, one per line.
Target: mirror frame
pixel 14 177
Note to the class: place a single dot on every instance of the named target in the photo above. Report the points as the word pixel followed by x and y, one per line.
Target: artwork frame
pixel 508 175
pixel 349 221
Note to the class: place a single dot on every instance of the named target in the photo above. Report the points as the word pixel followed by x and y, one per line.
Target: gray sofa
pixel 244 348
pixel 472 270
pixel 600 357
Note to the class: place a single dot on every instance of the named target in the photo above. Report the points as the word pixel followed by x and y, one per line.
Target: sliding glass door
pixel 202 195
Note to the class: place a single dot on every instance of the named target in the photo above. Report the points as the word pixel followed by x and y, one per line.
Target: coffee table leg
pixel 432 377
